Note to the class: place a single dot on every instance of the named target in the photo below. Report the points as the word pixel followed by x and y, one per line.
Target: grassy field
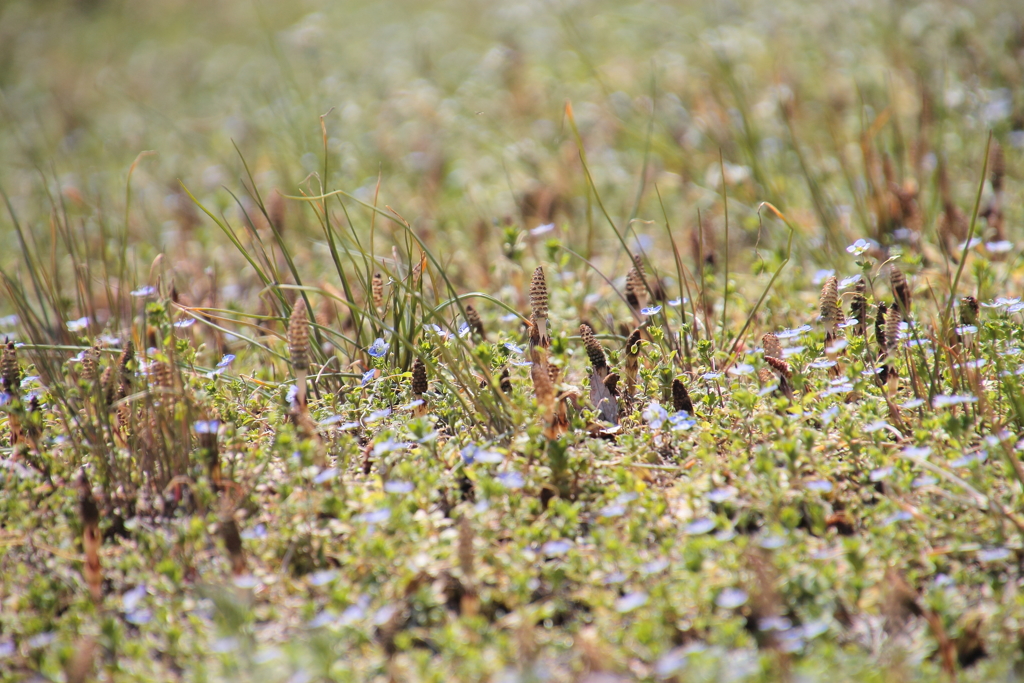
pixel 535 341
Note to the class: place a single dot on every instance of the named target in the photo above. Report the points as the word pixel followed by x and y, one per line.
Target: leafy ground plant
pixel 544 342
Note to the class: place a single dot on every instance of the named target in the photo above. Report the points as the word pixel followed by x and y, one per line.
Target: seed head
pixel 476 325
pixel 298 336
pixel 892 329
pixel 160 374
pixel 900 290
pixel 859 308
pixel 377 291
pixel 505 381
pixel 636 284
pixel 10 372
pixel 90 363
pixel 771 345
pixel 419 377
pixel 595 352
pixel 539 295
pixel 880 326
pixel 681 397
pixel 780 366
pixel 831 314
pixel 553 373
pixel 127 356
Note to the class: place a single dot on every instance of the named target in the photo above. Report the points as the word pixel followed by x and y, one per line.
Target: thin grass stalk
pixel 946 316
pixel 768 287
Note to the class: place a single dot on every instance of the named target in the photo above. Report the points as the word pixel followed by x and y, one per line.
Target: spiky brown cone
pixel 298 336
pixel 419 386
pixel 298 347
pixel 539 307
pixel 681 397
pixel 377 291
pixel 771 345
pixel 859 309
pixel 419 377
pixel 594 350
pixel 636 284
pixel 90 364
pixel 880 328
pixel 900 290
pixel 476 325
pixel 10 372
pixel 783 372
pixel 892 326
pixel 828 305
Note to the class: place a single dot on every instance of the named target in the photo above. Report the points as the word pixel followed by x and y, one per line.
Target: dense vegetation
pixel 511 341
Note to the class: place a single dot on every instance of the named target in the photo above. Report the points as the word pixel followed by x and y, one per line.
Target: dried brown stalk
pixel 632 353
pixel 92 571
pixel 233 544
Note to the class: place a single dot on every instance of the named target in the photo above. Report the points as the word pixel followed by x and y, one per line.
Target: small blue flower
pixel 368 376
pixel 630 602
pixel 78 325
pixel 731 598
pixel 207 426
pixel 859 247
pixel 378 348
pixel 395 486
pixel 655 415
pixel 513 348
pixel 145 290
pixel 821 275
pixel 511 480
pixel 226 360
pixel 651 310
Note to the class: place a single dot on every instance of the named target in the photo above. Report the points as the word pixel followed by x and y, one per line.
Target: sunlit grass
pixel 406 341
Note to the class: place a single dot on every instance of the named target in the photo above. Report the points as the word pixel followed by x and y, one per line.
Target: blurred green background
pixel 459 107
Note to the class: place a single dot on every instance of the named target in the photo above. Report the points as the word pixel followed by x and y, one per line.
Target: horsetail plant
pixel 298 348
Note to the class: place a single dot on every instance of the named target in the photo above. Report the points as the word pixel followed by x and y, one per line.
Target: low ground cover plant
pixel 536 358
